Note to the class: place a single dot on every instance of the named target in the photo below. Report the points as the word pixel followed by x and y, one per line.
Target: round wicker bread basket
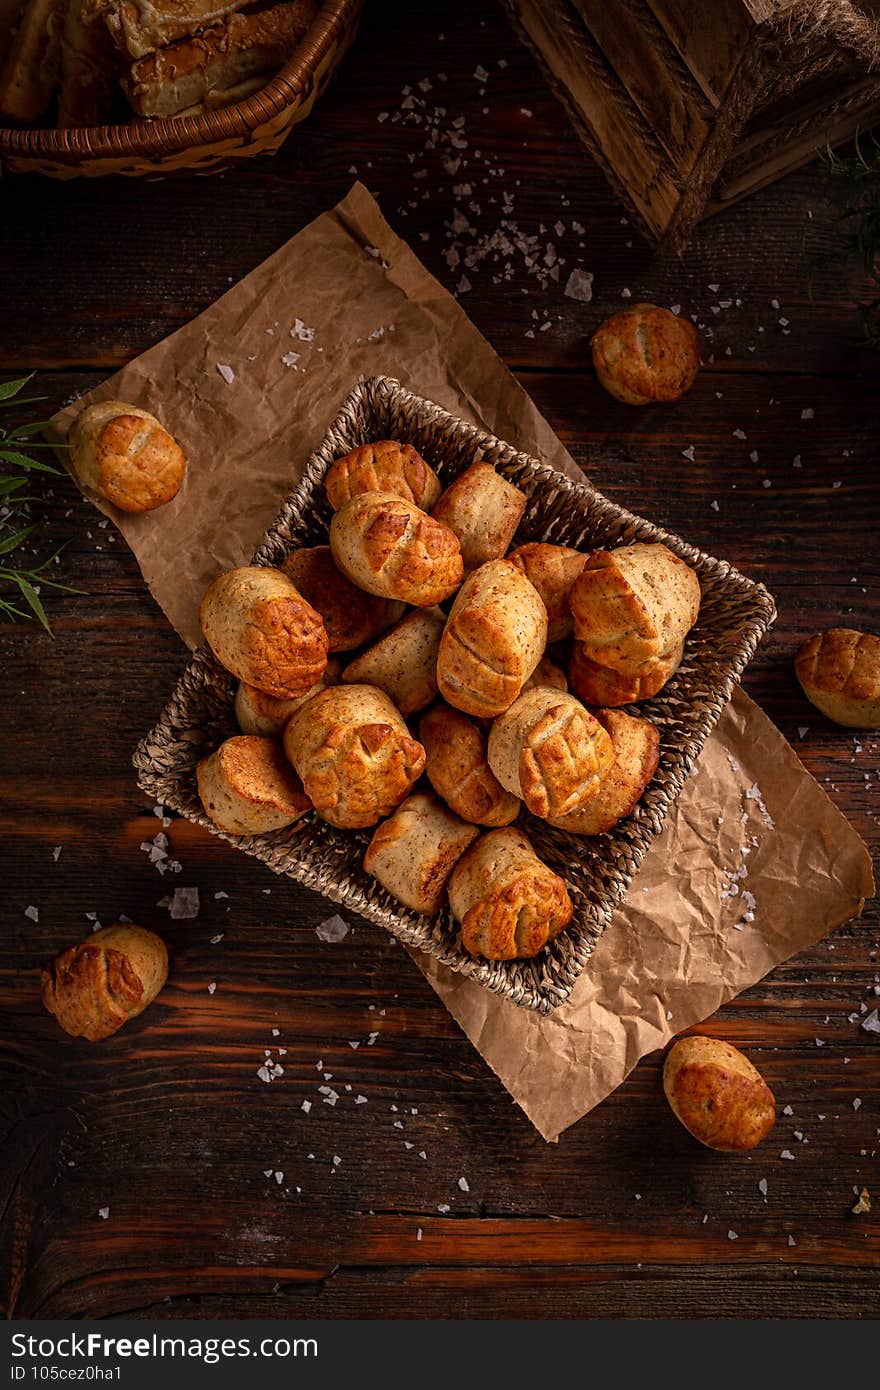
pixel 199 144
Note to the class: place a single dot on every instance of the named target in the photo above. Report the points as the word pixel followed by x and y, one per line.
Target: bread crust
pixel 351 616
pixel 551 751
pixel 599 685
pixel 354 754
pixel 262 630
pixel 484 510
pixel 493 640
pixel 385 466
pixel 717 1094
pixel 636 744
pixel 403 663
pixel 247 786
pixel 126 456
pixel 546 673
pixel 390 547
pixel 553 570
pixel 839 672
pixel 413 853
pixel 95 987
pixel 509 903
pixel 646 354
pixel 457 764
pixel 633 605
pixel 259 713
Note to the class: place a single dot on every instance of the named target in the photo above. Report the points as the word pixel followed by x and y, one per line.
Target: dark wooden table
pixel 168 1126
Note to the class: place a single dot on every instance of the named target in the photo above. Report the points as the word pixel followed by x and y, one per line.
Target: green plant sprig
pixel 855 253
pixel 17 447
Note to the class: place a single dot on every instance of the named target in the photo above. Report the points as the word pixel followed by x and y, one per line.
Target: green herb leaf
pixel 8 389
pixel 32 598
pixel 24 461
pixel 10 543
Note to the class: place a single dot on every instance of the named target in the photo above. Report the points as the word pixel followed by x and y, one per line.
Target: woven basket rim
pixel 144 138
pixel 544 983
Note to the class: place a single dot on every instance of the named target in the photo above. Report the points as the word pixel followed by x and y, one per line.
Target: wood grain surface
pixel 223 1195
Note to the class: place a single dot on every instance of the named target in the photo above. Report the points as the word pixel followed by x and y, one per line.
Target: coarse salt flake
pixel 226 372
pixel 332 929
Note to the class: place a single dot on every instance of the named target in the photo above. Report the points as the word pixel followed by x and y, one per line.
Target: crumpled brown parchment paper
pixel 754 863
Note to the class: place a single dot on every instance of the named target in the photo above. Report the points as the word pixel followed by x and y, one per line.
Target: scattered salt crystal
pixel 803 729
pixel 762 1187
pixel 354 1045
pixel 787 1110
pixel 183 904
pixel 807 413
pixel 787 1153
pixel 480 73
pixel 290 359
pixel 220 894
pixel 103 1212
pixel 463 1184
pixel 792 1241
pixel 688 453
pixel 212 986
pixel 818 1042
pixel 732 1235
pixel 871 1024
pixel 625 293
pixel 306 1106
pixel 333 929
pixel 714 505
pixel 419 1233
pixel 360 1100
pixel 279 1177
pixel 33 913
pixel 753 456
pixel 675 309
pixel 226 372
pixel 303 334
pixel 56 853
pixel 857 1104
pixel 464 285
pixel 336 1160
pixel 739 434
pixel 371 1038
pixel 443 1208
pixel 579 285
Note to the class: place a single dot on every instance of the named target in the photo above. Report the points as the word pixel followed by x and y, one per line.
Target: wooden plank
pixel 629 153
pixel 658 82
pixel 711 44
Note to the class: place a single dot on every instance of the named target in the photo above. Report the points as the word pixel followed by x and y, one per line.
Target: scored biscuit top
pixel 262 630
pixel 494 638
pixel 841 661
pixel 508 902
pixel 354 754
pixel 93 988
pixel 381 539
pixel 551 751
pixel 457 765
pixel 636 744
pixel 633 605
pixel 384 466
pixel 646 353
pixel 599 685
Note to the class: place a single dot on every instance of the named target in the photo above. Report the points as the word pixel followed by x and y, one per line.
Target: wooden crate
pixel 689 105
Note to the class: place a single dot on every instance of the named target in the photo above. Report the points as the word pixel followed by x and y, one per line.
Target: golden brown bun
pixel 546 673
pixel 413 853
pixel 633 605
pixel 259 713
pixel 839 670
pixel 551 751
pixel 458 768
pixel 351 616
pixel 97 986
pixel 508 902
pixel 484 510
pixel 717 1094
pixel 260 628
pixel 248 787
pixel 494 639
pixel 385 466
pixel 636 755
pixel 646 354
pixel 354 754
pixel 124 455
pixel 389 547
pixel 598 685
pixel 141 26
pixel 552 569
pixel 403 663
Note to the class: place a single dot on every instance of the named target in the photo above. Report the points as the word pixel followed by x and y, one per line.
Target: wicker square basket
pixel 195 144
pixel 734 615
